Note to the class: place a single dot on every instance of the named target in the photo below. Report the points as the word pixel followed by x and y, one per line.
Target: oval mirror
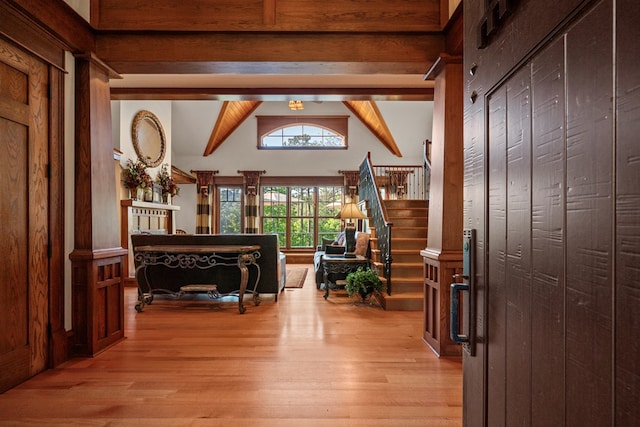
pixel 148 138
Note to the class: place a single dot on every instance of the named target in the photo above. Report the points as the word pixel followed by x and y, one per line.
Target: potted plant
pixel 363 281
pixel 135 176
pixel 167 183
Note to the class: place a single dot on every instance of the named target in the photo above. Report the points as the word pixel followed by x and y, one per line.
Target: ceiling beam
pixel 269 53
pixel 273 94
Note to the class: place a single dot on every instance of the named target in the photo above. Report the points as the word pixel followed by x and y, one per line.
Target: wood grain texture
pixel 232 114
pixel 268 15
pixel 590 184
pixel 286 53
pixel 302 361
pixel 497 226
pixel 548 236
pixel 627 249
pixel 24 126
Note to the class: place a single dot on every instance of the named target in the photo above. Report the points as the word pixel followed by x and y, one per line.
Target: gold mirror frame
pixel 148 138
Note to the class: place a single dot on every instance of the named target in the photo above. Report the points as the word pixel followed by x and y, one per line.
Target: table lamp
pixel 349 212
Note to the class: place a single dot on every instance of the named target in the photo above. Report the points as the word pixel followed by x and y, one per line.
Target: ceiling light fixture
pixel 296 105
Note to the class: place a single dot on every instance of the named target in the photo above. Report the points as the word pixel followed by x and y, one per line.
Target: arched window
pixel 302 132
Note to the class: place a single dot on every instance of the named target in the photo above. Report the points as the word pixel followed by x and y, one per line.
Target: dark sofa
pixel 271 275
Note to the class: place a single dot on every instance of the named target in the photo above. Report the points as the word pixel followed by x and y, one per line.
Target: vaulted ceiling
pixel 272 50
pixel 233 113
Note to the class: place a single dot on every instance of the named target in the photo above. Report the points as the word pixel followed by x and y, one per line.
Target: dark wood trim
pixel 23 31
pixel 58 345
pixel 302 180
pixel 274 94
pixel 253 53
pixel 440 64
pixel 182 177
pixel 259 16
pixel 266 180
pixel 454 33
pixel 57 20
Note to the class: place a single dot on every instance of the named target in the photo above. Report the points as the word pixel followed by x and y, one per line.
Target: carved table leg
pixel 244 278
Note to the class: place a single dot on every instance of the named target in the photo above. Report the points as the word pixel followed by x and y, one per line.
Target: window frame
pixel 336 124
pixel 289 218
pixel 218 202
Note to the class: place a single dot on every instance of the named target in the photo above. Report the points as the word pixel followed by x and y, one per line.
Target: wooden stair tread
pixel 410 226
pixel 405 295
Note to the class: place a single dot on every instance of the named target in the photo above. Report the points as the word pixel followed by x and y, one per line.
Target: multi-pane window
pixel 302 132
pixel 302 136
pixel 301 215
pixel 230 218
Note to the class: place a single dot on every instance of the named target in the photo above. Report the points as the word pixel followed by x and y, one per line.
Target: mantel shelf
pixel 149 205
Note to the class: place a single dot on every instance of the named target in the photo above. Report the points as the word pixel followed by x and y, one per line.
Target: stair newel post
pixel 443 255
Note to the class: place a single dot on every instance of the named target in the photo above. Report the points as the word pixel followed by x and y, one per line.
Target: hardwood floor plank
pixel 302 361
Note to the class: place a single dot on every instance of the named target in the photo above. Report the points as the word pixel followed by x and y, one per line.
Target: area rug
pixel 295 277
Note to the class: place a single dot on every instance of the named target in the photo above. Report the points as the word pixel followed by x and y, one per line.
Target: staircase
pixel 408 238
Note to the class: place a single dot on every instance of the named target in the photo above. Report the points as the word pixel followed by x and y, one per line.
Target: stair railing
pixel 427 167
pixel 377 213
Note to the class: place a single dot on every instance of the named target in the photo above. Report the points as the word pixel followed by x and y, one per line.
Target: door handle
pixel 454 323
pixel 464 285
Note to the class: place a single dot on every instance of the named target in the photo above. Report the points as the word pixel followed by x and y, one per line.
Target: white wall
pixel 410 123
pixel 126 111
pixel 82 7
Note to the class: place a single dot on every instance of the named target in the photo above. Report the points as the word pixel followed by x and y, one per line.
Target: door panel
pixel 627 249
pixel 540 140
pixel 497 221
pixel 517 278
pixel 23 215
pixel 589 214
pixel 548 236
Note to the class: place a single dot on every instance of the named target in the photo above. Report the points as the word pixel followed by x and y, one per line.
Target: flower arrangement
pixel 166 181
pixel 135 175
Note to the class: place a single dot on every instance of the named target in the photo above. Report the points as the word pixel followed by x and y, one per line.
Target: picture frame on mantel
pixel 157 193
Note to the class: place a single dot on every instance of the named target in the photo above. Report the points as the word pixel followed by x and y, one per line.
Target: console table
pixel 195 257
pixel 340 264
pixel 138 217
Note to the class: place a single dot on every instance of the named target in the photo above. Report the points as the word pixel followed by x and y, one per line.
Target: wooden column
pixel 443 254
pixel 97 258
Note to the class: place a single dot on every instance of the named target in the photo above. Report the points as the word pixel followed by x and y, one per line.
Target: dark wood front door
pixel 553 189
pixel 23 215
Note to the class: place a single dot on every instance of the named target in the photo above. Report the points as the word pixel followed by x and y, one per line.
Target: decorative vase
pixel 166 198
pixel 134 193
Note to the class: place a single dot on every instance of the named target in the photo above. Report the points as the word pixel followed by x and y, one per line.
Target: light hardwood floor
pixel 302 361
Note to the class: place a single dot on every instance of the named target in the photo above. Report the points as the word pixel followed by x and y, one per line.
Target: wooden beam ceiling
pixel 269 53
pixel 272 93
pixel 231 115
pixel 266 37
pixel 370 116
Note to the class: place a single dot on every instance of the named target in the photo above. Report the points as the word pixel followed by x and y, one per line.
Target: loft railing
pixel 405 182
pixel 377 213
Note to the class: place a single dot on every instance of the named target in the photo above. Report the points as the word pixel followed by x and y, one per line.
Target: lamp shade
pixel 350 211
